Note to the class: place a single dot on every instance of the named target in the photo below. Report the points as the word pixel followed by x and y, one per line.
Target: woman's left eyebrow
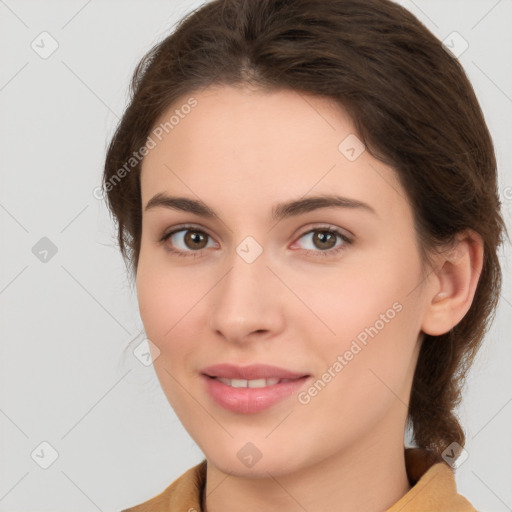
pixel 308 204
pixel 279 212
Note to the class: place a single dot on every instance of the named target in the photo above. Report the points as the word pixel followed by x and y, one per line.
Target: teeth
pixel 255 383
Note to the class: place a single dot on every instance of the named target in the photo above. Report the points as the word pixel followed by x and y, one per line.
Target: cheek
pixel 164 297
pixel 360 302
pixel 154 302
pixel 374 321
pixel 172 304
pixel 166 302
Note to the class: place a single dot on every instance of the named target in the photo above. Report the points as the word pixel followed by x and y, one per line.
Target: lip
pixel 250 372
pixel 250 400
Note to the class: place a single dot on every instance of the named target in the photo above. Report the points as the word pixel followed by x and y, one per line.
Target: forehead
pixel 239 124
pixel 246 146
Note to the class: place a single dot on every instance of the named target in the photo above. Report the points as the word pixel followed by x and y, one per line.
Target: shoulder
pixel 434 486
pixel 183 494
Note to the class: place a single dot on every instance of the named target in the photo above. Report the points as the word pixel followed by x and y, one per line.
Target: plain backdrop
pixel 71 397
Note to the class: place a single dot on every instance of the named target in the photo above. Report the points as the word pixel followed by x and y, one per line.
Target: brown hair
pixel 412 105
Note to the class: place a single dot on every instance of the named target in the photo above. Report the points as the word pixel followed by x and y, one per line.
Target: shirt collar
pixel 432 481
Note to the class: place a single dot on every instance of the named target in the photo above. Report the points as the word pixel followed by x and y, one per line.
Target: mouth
pixel 251 389
pixel 253 383
pixel 253 374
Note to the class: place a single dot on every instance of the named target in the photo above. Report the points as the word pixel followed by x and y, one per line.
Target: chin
pixel 248 462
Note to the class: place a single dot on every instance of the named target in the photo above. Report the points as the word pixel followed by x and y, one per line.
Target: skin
pixel 241 151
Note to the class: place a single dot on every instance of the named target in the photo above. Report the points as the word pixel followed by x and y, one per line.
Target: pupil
pixel 195 237
pixel 324 236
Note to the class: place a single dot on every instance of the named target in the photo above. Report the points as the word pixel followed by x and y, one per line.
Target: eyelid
pixel 320 226
pixel 182 227
pixel 300 233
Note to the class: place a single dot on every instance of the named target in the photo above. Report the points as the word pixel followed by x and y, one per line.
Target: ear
pixel 457 271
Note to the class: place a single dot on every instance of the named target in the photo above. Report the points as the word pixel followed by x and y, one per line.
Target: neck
pixel 370 477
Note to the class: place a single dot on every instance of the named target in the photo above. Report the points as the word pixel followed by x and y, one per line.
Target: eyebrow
pixel 279 211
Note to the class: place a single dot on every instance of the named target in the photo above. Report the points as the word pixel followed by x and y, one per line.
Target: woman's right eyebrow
pixel 279 211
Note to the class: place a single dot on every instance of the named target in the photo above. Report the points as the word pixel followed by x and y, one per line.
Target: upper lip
pixel 250 372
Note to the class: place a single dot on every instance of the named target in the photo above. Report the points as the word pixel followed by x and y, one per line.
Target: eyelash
pixel 327 229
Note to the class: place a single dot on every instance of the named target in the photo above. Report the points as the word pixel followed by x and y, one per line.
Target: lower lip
pixel 250 400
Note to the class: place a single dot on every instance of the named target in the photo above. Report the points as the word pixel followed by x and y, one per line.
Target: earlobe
pixel 454 284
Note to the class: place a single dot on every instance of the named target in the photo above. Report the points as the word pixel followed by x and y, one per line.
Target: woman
pixel 306 194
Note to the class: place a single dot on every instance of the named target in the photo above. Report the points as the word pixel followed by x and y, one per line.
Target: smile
pixel 251 396
pixel 255 383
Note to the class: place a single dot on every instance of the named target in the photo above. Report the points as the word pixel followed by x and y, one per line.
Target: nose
pixel 247 303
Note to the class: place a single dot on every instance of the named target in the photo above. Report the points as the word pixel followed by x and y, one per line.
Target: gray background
pixel 67 317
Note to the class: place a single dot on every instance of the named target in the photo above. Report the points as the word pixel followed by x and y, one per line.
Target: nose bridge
pixel 246 299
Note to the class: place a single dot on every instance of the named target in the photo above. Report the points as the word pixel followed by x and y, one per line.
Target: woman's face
pixel 262 284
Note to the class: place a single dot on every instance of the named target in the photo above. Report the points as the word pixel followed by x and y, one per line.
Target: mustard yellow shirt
pixel 433 489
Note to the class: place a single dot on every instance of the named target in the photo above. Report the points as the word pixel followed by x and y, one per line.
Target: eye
pixel 191 241
pixel 186 241
pixel 324 241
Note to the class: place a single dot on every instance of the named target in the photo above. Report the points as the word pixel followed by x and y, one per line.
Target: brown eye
pixel 186 241
pixel 324 239
pixel 195 239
